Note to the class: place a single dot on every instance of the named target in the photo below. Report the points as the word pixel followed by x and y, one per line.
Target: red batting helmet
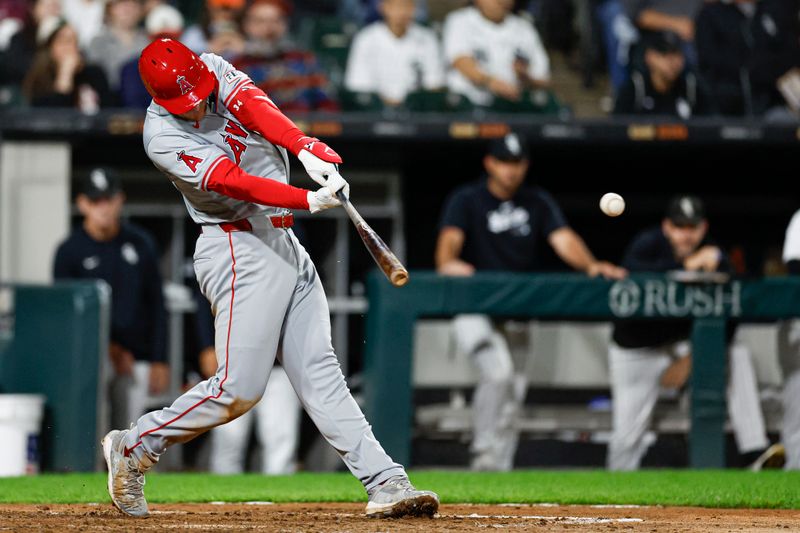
pixel 175 77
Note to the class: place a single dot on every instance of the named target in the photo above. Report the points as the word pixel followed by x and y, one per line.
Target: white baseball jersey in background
pixel 380 62
pixel 494 47
pixel 789 353
pixel 791 245
pixel 635 387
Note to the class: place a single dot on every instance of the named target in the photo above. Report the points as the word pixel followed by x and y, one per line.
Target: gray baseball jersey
pixel 187 152
pixel 266 295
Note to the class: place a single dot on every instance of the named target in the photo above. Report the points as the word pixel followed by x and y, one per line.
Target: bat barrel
pixel 392 268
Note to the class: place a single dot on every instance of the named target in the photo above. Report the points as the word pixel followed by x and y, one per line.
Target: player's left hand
pixel 319 160
pixel 607 270
pixel 159 378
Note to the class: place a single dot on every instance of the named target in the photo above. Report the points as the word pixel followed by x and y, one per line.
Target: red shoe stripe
pixel 227 353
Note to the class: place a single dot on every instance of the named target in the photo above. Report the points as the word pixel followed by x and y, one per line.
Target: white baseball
pixel 612 204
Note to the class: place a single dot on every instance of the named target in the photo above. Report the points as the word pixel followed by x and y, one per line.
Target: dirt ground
pixel 327 517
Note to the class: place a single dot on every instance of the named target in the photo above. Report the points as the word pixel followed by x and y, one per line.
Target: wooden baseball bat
pixel 380 252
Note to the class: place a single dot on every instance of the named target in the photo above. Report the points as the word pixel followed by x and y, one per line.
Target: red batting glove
pixel 317 148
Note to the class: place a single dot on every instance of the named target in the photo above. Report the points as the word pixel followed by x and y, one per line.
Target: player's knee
pixel 499 379
pixel 500 373
pixel 236 406
pixel 239 398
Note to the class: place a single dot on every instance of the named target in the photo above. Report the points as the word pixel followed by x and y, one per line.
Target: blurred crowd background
pixel 428 102
pixel 682 58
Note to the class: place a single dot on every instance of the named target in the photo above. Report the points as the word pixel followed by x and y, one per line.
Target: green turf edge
pixel 711 488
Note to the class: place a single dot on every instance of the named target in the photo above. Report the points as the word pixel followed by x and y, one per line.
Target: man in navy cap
pixel 648 356
pixel 496 224
pixel 124 256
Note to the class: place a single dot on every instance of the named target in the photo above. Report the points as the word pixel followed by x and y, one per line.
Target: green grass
pixel 664 487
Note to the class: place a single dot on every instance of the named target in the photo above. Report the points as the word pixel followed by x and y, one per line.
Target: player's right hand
pixel 509 91
pixel 607 270
pixel 208 362
pixel 456 267
pixel 121 359
pixel 321 200
pixel 706 259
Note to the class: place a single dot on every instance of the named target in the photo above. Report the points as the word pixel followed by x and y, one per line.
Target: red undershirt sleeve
pixel 253 108
pixel 228 179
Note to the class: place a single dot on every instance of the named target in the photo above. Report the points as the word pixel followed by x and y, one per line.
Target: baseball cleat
pixel 773 457
pixel 397 497
pixel 125 478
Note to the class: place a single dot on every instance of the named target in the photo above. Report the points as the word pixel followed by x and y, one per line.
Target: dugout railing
pixel 393 313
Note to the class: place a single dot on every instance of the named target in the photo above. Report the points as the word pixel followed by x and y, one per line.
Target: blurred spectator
pixel 14 9
pixel 162 21
pixel 12 16
pixel 59 75
pixel 124 256
pixel 439 9
pixel 556 21
pixel 120 40
pixel 373 11
pixel 358 12
pixel 646 356
pixel 619 36
pixel 496 224
pixel 663 85
pixel 293 78
pixel 676 16
pixel 789 354
pixel 394 57
pixel 218 30
pixel 276 416
pixel 86 17
pixel 493 53
pixel 149 5
pixel 743 48
pixel 22 46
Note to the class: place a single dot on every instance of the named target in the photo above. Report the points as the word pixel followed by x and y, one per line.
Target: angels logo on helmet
pixel 184 85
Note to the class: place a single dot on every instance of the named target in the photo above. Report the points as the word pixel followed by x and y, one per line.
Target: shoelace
pixel 402 483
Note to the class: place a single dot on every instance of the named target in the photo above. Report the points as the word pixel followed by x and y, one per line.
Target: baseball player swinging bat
pixel 225 146
pixel 380 252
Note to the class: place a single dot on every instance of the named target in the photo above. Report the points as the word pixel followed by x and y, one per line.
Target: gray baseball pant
pixel 267 299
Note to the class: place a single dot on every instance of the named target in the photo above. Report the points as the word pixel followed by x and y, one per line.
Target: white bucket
pixel 20 426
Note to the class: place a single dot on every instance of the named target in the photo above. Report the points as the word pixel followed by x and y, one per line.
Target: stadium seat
pixel 437 101
pixel 11 96
pixel 541 102
pixel 330 39
pixel 359 101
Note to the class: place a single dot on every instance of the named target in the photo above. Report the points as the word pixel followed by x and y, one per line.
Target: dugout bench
pixel 393 312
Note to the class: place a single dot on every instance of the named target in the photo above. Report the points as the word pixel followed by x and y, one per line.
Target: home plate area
pixel 339 517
